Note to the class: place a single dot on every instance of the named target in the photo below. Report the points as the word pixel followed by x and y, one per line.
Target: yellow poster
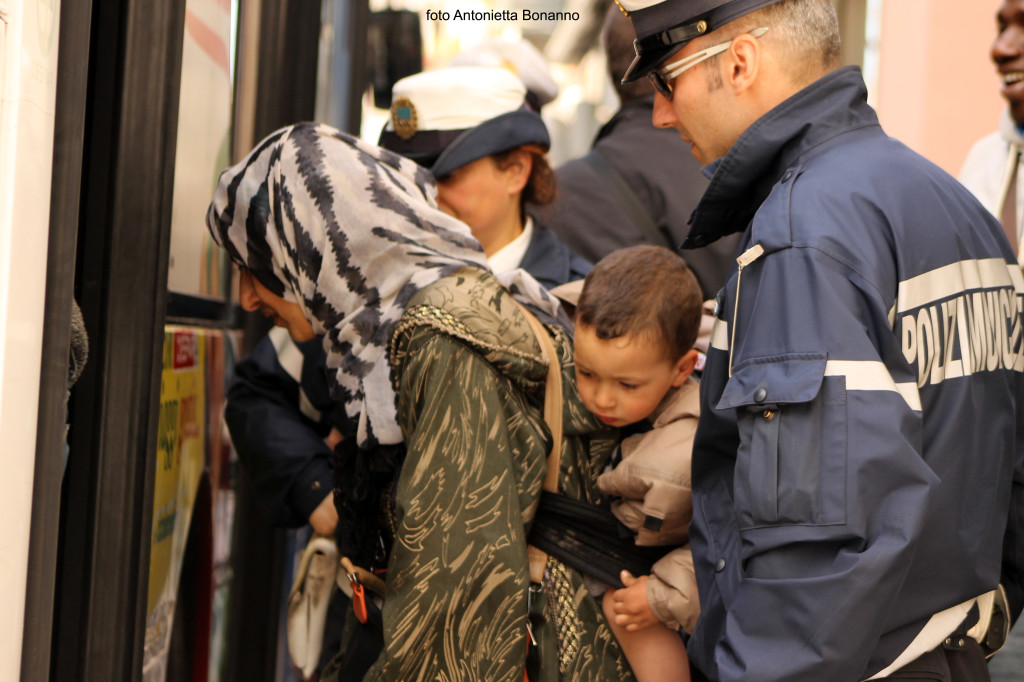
pixel 180 456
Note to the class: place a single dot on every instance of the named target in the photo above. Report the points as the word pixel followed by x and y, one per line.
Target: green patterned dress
pixel 470 379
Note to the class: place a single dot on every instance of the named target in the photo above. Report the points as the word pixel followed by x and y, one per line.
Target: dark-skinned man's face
pixel 1008 55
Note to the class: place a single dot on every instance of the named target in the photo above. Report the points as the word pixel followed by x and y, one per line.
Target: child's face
pixel 622 380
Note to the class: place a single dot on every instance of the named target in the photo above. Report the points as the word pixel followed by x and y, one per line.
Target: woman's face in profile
pixel 254 296
pixel 485 197
pixel 477 194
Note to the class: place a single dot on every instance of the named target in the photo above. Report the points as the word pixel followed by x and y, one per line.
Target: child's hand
pixel 630 604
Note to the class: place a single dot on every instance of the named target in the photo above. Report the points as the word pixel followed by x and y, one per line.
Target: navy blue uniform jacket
pixel 858 454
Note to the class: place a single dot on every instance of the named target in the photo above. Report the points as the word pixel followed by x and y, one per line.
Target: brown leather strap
pixel 553 416
pixel 1008 215
pixel 364 577
pixel 552 400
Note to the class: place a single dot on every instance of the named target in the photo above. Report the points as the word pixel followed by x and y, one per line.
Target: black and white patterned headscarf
pixel 350 232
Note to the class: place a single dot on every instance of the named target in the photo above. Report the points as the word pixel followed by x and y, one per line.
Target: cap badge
pixel 403 117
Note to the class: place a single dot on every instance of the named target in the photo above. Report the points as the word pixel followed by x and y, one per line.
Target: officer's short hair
pixel 805 31
pixel 643 291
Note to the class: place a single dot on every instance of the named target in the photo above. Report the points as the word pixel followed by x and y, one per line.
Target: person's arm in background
pixel 280 433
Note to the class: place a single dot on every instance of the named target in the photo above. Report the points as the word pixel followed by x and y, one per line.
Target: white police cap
pixel 663 27
pixel 447 118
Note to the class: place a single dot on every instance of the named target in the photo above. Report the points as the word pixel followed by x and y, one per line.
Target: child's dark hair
pixel 643 290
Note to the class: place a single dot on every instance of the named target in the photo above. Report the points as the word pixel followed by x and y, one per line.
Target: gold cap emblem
pixel 702 26
pixel 403 117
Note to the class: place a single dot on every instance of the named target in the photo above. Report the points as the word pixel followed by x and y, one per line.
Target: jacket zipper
pixel 745 259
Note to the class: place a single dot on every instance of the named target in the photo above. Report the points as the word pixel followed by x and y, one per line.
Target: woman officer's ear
pixel 515 168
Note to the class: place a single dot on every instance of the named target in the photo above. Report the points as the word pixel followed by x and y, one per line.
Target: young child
pixel 636 322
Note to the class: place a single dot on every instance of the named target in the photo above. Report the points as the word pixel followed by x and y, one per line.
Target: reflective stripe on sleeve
pixel 957 278
pixel 720 335
pixel 872 376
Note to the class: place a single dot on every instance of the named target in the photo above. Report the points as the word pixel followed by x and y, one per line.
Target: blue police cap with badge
pixel 663 27
pixel 447 118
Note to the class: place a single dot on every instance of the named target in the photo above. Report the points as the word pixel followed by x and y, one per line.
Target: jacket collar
pixel 678 403
pixel 1008 129
pixel 743 178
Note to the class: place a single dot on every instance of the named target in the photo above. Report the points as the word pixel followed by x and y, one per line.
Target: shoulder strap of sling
pixel 553 416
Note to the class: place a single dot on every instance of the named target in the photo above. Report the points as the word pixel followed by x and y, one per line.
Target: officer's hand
pixel 324 518
pixel 630 605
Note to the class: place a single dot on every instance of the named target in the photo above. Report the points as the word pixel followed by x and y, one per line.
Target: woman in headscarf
pixel 472 127
pixel 442 381
pixel 489 147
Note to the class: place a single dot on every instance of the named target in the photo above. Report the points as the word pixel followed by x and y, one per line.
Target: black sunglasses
pixel 662 78
pixel 661 86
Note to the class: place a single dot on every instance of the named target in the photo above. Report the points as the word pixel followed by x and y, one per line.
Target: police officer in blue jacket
pixel 858 472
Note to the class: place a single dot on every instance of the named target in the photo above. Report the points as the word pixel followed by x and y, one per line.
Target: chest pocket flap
pixel 778 380
pixel 791 464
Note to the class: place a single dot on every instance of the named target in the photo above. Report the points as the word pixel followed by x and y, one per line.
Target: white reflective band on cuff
pixel 720 335
pixel 872 376
pixel 957 278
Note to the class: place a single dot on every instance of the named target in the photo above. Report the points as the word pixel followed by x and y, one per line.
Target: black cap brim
pixel 643 64
pixel 665 28
pixel 493 136
pixel 424 147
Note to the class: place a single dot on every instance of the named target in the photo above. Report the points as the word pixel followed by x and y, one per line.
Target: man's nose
pixel 1007 44
pixel 663 116
pixel 247 296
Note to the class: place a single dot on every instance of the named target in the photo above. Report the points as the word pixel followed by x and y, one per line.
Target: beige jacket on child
pixel 653 484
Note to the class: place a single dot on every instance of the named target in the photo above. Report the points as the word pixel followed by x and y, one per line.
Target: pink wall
pixel 937 88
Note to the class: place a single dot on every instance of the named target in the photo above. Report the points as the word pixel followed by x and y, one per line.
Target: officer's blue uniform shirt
pixel 853 465
pixel 550 261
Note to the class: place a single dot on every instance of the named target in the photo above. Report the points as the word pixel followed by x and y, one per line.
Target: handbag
pixel 308 602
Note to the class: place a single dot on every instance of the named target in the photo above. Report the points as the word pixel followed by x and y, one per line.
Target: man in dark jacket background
pixel 637 185
pixel 858 456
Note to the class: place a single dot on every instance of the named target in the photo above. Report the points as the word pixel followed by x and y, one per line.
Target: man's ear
pixel 745 54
